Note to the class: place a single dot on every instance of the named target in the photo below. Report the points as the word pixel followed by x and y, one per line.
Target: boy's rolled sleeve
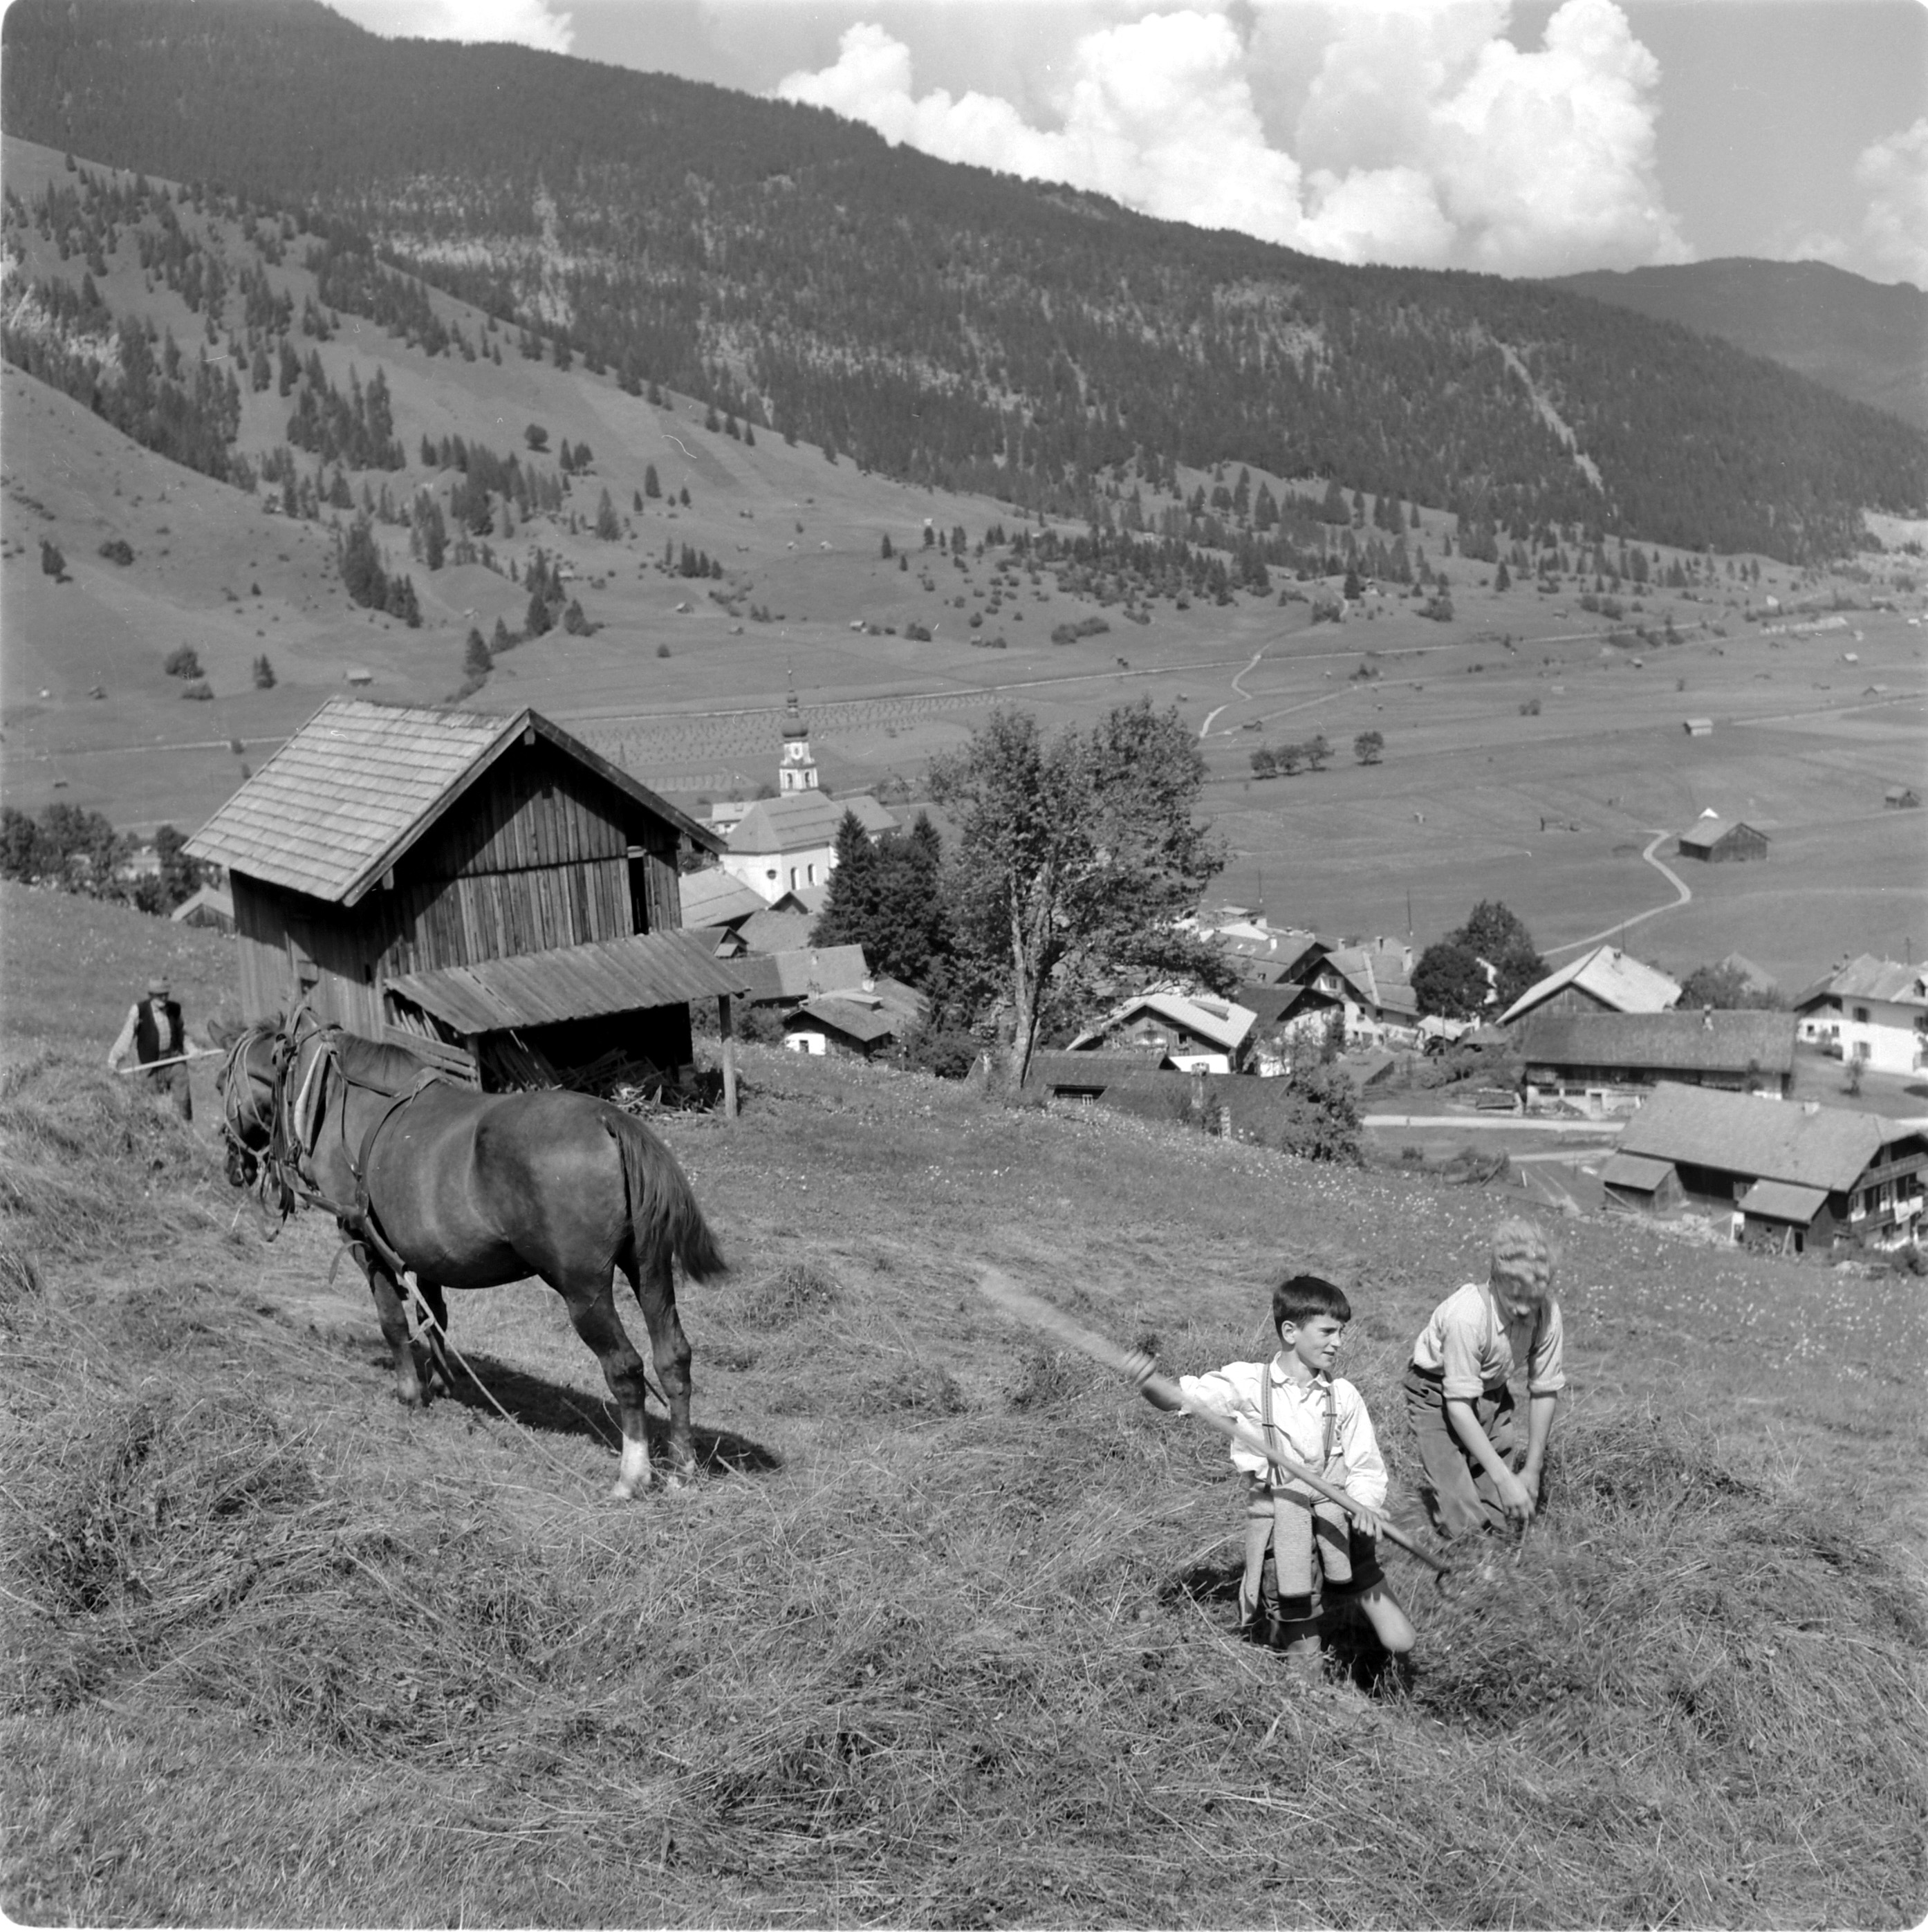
pixel 1462 1365
pixel 1546 1359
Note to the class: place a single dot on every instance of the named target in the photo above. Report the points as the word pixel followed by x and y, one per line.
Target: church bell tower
pixel 798 771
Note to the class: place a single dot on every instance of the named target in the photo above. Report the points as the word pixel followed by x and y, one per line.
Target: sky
pixel 1520 137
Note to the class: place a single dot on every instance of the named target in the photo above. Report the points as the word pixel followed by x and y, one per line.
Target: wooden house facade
pixel 383 846
pixel 1720 842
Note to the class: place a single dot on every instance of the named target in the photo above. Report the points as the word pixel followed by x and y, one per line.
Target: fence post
pixel 729 1057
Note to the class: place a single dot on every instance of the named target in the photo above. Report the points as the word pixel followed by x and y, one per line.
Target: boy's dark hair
pixel 1300 1296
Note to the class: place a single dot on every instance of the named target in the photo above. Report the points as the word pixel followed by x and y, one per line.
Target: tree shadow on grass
pixel 548 1407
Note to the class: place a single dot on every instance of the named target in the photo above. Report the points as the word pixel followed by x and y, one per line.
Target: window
pixel 1861 1014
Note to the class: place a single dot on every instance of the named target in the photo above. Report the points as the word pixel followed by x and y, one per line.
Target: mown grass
pixel 943 1637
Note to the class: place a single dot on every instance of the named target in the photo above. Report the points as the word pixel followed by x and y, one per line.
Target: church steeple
pixel 798 772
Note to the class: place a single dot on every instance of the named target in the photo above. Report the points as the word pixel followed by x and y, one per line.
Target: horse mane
pixel 378 1062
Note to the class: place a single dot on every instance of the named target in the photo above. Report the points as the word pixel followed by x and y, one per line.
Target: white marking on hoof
pixel 635 1472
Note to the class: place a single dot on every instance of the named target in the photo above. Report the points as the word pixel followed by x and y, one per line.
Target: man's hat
pixel 158 983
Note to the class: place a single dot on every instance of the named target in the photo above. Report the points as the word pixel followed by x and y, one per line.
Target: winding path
pixel 1667 872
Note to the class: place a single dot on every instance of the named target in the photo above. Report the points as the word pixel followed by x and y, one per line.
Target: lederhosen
pixel 1309 1539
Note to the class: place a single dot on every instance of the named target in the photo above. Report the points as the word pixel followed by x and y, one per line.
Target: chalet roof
pixel 1716 1042
pixel 801 819
pixel 360 782
pixel 802 972
pixel 717 897
pixel 1868 978
pixel 1060 1067
pixel 1782 1201
pixel 1380 972
pixel 1271 1004
pixel 1772 1140
pixel 770 930
pixel 1635 1171
pixel 1708 832
pixel 216 899
pixel 570 982
pixel 1614 978
pixel 865 1014
pixel 1217 1021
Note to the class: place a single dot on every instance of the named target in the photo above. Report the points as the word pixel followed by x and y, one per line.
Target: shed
pixel 1787 1215
pixel 857 1022
pixel 1720 841
pixel 1634 1180
pixel 211 906
pixel 383 843
pixel 1902 798
pixel 1697 727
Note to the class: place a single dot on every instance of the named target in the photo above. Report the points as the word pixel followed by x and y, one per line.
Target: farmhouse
pixel 1605 1062
pixel 1873 1011
pixel 447 880
pixel 1720 841
pixel 209 906
pixel 1605 980
pixel 1198 1035
pixel 1374 980
pixel 786 979
pixel 858 1021
pixel 1285 1017
pixel 1799 1176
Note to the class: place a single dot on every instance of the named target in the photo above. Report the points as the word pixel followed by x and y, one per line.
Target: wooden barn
pixel 1720 841
pixel 485 890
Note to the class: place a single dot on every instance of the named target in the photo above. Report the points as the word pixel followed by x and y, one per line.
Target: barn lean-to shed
pixel 387 856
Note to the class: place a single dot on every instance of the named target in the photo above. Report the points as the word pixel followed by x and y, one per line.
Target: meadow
pixel 942 1636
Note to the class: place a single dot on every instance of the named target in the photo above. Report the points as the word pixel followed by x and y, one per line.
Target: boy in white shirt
pixel 1295 1541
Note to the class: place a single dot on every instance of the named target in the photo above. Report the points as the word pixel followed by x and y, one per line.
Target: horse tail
pixel 664 1218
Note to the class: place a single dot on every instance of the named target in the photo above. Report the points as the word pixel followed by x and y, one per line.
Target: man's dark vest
pixel 147 1035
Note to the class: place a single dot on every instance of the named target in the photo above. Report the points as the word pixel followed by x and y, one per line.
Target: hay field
pixel 942 1637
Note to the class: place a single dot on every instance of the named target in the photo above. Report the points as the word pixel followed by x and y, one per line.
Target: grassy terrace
pixel 942 1637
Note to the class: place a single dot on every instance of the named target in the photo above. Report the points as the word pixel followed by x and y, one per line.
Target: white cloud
pixel 1422 134
pixel 529 23
pixel 1894 230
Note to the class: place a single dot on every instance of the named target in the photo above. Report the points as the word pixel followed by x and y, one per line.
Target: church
pixel 787 844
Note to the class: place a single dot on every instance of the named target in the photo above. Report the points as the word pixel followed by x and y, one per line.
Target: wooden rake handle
pixel 1000 1288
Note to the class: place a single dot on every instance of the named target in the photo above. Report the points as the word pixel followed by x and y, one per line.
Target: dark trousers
pixel 171 1083
pixel 1461 1496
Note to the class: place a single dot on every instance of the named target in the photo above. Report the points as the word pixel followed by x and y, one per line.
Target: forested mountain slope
pixel 939 323
pixel 1865 340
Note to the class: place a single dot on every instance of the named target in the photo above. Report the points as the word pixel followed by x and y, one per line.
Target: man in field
pixel 154 1033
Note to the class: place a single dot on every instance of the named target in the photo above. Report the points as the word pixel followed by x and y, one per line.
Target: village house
pixel 485 890
pixel 1604 1063
pixel 1720 840
pixel 1797 1176
pixel 1374 981
pixel 857 1022
pixel 1605 980
pixel 1288 1020
pixel 1873 1011
pixel 1196 1034
pixel 785 980
pixel 789 843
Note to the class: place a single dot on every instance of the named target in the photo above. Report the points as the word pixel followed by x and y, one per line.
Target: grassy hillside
pixel 942 1636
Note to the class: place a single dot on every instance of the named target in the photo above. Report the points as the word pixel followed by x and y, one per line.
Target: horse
pixel 465 1189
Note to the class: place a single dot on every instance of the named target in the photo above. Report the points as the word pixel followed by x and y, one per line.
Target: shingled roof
pixel 571 982
pixel 1868 978
pixel 359 783
pixel 1771 1140
pixel 1615 979
pixel 1716 1042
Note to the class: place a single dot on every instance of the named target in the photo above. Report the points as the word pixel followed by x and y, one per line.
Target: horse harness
pixel 290 1152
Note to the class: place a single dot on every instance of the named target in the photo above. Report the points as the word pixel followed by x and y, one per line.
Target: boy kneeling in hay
pixel 1295 1540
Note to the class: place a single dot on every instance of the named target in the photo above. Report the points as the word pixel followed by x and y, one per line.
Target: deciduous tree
pixel 1078 853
